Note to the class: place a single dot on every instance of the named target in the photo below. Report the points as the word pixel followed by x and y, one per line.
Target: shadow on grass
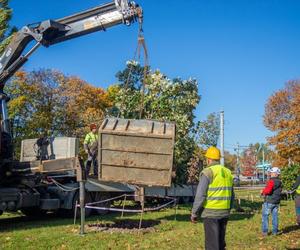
pixel 124 224
pixel 243 210
pixel 110 221
pixel 23 222
pixel 290 229
pixel 247 205
pixel 50 220
pixel 186 217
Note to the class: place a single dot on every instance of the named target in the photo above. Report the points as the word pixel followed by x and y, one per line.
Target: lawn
pixel 18 232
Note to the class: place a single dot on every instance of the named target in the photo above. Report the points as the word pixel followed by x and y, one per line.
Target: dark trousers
pixel 297 206
pixel 215 230
pixel 89 164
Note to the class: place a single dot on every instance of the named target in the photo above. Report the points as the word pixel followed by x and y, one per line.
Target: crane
pixel 50 32
pixel 29 192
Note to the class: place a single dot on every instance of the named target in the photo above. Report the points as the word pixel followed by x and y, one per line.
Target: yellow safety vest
pixel 298 190
pixel 90 138
pixel 220 190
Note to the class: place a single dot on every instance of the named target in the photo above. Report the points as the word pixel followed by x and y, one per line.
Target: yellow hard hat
pixel 213 153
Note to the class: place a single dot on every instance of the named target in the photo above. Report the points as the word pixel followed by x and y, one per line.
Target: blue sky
pixel 240 51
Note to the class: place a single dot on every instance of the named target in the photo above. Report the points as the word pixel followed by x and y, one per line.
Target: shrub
pixel 289 175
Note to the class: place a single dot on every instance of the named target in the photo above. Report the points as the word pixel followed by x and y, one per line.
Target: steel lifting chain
pixel 137 56
pixel 142 45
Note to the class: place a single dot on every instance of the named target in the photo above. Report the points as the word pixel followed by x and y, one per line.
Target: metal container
pixel 137 152
pixel 58 148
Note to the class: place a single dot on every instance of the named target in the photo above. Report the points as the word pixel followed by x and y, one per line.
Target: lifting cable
pixel 63 187
pixel 137 56
pixel 169 201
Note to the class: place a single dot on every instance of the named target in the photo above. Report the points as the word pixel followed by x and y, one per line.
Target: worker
pixel 271 193
pixel 296 187
pixel 214 199
pixel 91 148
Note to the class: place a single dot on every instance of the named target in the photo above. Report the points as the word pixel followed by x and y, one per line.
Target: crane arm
pixel 50 32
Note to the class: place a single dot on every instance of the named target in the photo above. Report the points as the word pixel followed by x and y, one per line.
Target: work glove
pixel 194 218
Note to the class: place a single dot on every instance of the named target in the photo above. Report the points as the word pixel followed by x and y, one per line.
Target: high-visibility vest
pixel 90 138
pixel 298 190
pixel 220 190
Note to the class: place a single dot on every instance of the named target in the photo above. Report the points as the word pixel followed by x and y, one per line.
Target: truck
pixel 38 185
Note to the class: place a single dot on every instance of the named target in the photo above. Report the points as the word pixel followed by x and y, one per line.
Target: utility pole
pixel 238 163
pixel 257 158
pixel 222 136
pixel 263 162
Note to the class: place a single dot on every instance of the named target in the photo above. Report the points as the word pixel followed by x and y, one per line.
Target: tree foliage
pixel 5 30
pixel 207 132
pixel 230 160
pixel 253 155
pixel 83 104
pixel 289 175
pixel 248 162
pixel 196 165
pixel 165 100
pixel 46 102
pixel 282 117
pixel 263 152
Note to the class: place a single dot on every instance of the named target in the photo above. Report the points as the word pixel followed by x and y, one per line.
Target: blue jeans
pixel 267 209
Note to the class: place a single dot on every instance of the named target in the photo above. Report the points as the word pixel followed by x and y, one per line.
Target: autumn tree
pixel 230 160
pixel 165 100
pixel 248 161
pixel 282 117
pixel 83 104
pixel 35 103
pixel 195 165
pixel 46 102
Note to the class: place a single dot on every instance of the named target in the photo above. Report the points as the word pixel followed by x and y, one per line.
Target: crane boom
pixel 50 32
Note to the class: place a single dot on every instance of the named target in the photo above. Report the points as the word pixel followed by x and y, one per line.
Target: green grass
pixel 243 232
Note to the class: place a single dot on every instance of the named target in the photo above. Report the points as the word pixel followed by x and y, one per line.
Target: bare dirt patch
pixel 124 226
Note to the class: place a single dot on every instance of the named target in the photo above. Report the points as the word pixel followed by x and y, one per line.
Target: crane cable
pixel 142 45
pixel 137 55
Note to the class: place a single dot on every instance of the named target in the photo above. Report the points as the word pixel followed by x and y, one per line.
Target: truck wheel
pixel 100 196
pixel 33 211
pixel 185 199
pixel 69 213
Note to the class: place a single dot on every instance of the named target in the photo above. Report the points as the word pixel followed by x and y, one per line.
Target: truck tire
pixel 100 196
pixel 69 213
pixel 185 199
pixel 33 212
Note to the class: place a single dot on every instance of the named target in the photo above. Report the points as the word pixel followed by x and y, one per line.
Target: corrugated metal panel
pixel 59 148
pixel 178 191
pixel 136 151
pixel 94 185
